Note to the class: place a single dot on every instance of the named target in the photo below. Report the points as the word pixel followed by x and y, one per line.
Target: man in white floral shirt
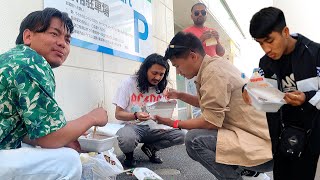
pixel 28 110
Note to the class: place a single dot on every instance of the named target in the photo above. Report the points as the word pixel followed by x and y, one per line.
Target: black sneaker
pixel 253 175
pixel 152 154
pixel 247 172
pixel 129 161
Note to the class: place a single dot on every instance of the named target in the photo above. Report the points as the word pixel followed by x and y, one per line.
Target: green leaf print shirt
pixel 27 105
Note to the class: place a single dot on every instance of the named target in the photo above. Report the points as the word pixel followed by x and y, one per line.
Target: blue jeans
pixel 201 147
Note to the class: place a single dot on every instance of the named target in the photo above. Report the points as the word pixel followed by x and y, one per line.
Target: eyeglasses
pixel 203 13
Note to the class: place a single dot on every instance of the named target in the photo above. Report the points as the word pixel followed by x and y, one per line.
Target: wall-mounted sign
pixel 116 27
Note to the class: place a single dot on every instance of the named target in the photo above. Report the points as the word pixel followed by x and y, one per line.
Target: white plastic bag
pixel 100 166
pixel 116 165
pixel 145 174
pixel 263 95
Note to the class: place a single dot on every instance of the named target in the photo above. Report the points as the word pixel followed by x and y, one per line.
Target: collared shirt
pixel 243 136
pixel 27 105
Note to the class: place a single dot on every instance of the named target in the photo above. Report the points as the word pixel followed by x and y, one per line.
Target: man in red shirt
pixel 208 36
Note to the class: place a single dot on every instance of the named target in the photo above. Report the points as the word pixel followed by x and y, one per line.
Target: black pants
pixel 303 168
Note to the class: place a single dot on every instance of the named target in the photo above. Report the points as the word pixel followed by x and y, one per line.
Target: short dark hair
pixel 265 21
pixel 181 45
pixel 142 73
pixel 197 5
pixel 39 21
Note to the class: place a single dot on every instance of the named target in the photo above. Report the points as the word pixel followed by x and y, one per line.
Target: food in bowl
pixel 98 143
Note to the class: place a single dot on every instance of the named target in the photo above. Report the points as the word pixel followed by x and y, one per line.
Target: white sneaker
pixel 261 176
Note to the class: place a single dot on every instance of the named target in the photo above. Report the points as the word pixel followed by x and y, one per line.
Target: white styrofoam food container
pixel 165 113
pixel 265 107
pixel 161 108
pixel 101 144
pixel 263 104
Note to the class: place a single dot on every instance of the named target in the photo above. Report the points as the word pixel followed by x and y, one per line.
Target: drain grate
pixel 167 172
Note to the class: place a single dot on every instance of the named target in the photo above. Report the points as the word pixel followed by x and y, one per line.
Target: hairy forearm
pixel 189 98
pixel 197 123
pixel 70 132
pixel 219 49
pixel 124 116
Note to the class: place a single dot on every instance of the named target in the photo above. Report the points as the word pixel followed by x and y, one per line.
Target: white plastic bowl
pixel 166 113
pixel 102 144
pixel 162 108
pixel 264 106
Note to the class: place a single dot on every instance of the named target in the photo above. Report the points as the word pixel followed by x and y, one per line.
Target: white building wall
pixel 301 16
pixel 250 51
pixel 88 77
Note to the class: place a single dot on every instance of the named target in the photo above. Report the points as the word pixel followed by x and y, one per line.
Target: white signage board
pixel 116 27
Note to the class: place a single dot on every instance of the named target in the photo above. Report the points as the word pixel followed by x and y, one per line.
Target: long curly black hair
pixel 142 76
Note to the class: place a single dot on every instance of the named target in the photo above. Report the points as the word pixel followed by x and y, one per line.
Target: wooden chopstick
pixel 95 127
pixel 94 131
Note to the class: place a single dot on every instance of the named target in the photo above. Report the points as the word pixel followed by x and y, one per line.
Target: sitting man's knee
pixel 62 163
pixel 190 143
pixel 127 143
pixel 71 155
pixel 126 140
pixel 73 164
pixel 190 136
pixel 180 138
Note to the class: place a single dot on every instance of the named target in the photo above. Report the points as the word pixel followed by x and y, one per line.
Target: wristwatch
pixel 135 116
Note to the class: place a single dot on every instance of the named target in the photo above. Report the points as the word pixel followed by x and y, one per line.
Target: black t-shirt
pixel 290 114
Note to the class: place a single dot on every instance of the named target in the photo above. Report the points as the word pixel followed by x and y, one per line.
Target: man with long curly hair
pixel 147 85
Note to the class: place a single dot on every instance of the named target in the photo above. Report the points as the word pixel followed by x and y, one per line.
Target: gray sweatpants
pixel 201 147
pixel 131 135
